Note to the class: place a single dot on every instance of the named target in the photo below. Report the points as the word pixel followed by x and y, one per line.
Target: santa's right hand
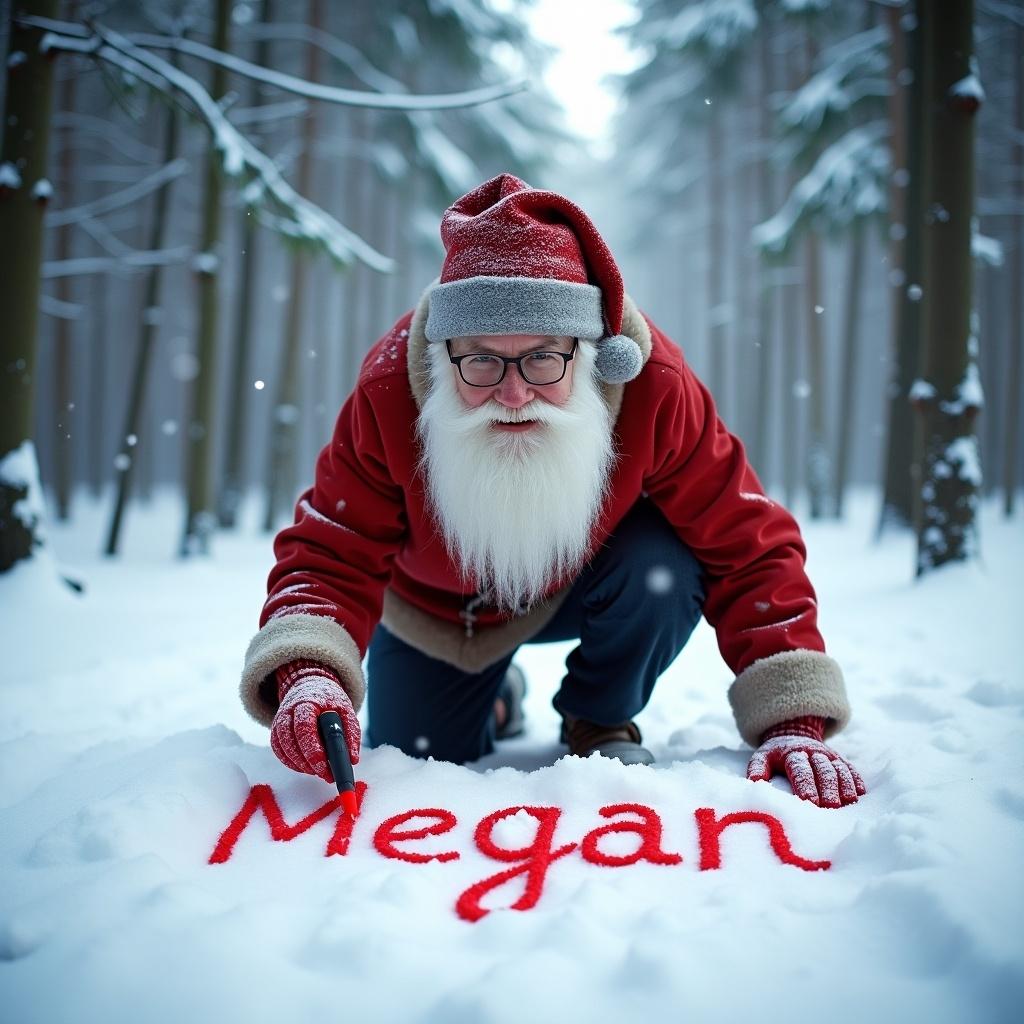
pixel 306 691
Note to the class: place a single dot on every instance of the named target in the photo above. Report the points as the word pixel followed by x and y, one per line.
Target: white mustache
pixel 492 411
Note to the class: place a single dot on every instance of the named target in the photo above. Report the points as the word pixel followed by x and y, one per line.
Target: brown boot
pixel 619 741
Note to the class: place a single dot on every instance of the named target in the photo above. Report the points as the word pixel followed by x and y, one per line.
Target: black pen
pixel 332 735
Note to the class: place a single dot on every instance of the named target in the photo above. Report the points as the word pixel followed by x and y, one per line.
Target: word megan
pixel 531 861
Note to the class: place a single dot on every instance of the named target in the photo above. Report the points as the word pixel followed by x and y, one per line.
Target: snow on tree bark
pixel 948 397
pixel 26 133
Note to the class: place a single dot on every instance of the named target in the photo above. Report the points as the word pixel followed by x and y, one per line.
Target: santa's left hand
pixel 815 771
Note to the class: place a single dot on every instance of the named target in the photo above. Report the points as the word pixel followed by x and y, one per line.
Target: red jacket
pixel 364 528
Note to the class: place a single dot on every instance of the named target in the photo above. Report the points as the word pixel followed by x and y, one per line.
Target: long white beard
pixel 516 509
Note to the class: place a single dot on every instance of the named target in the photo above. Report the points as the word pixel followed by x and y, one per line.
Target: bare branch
pixel 111 134
pixel 999 206
pixel 109 174
pixel 337 49
pixel 129 263
pixel 123 197
pixel 104 237
pixel 58 308
pixel 1011 12
pixel 269 112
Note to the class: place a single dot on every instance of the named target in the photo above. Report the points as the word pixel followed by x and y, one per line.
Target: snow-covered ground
pixel 125 755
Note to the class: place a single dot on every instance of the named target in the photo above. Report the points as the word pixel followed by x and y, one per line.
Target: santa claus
pixel 525 458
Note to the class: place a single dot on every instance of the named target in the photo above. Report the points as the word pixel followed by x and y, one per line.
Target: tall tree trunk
pixel 848 379
pixel 149 322
pixel 849 349
pixel 717 313
pixel 376 289
pixel 408 199
pixel 392 305
pixel 356 187
pixel 98 327
pixel 232 484
pixel 794 393
pixel 765 299
pixel 233 481
pixel 819 470
pixel 23 153
pixel 281 481
pixel 324 340
pixel 906 114
pixel 1011 453
pixel 62 368
pixel 993 357
pixel 792 396
pixel 746 348
pixel 200 517
pixel 948 397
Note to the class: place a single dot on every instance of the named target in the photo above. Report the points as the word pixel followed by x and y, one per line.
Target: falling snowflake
pixel 659 579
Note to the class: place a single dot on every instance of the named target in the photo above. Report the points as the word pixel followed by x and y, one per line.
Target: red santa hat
pixel 521 260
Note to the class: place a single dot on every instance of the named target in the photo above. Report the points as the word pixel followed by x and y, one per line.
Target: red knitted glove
pixel 306 689
pixel 815 771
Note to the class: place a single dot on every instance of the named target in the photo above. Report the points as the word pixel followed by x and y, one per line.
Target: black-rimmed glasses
pixel 484 370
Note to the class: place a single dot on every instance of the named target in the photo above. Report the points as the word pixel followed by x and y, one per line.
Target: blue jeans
pixel 633 608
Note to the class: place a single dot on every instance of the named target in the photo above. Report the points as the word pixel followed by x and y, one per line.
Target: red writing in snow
pixel 394 837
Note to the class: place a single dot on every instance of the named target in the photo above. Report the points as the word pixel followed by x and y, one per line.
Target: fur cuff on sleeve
pixel 282 640
pixel 788 685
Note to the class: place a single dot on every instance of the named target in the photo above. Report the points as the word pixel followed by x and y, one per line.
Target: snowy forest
pixel 234 202
pixel 212 210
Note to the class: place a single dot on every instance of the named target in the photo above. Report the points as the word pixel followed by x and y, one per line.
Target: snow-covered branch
pixel 239 157
pixel 289 83
pixel 847 181
pixel 452 165
pixel 717 29
pixel 984 248
pixel 329 93
pixel 123 197
pixel 849 74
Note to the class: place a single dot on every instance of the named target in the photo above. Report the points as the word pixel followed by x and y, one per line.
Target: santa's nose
pixel 513 392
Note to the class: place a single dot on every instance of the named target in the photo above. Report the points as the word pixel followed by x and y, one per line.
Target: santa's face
pixel 516 472
pixel 514 391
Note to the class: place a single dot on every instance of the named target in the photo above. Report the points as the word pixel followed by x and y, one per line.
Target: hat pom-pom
pixel 618 359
